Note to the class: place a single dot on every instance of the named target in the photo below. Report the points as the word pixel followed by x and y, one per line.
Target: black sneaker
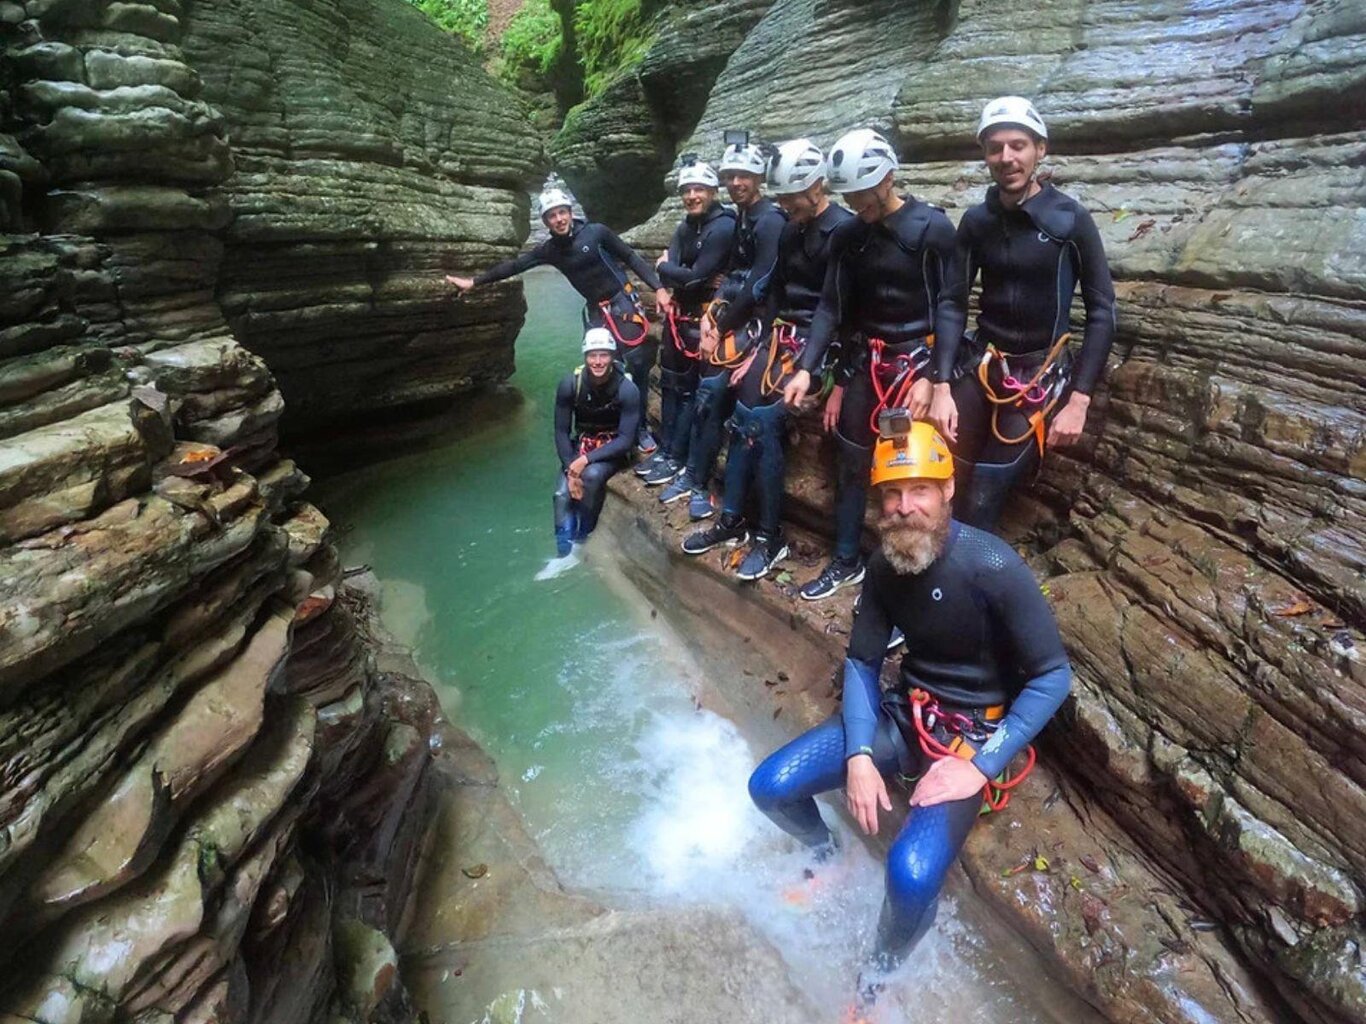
pixel 763 555
pixel 833 577
pixel 665 471
pixel 720 532
pixel 648 465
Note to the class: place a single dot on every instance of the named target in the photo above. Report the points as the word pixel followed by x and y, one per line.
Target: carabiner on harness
pixel 893 376
pixel 1042 391
pixel 928 716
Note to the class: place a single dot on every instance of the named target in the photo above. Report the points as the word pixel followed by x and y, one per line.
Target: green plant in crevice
pixel 612 36
pixel 468 19
pixel 532 41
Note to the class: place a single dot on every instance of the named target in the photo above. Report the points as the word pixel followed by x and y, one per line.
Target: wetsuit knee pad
pixel 988 486
pixel 761 426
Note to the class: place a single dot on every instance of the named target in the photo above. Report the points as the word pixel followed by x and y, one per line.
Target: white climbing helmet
pixel 1015 111
pixel 598 339
pixel 795 167
pixel 746 157
pixel 860 159
pixel 552 197
pixel 693 171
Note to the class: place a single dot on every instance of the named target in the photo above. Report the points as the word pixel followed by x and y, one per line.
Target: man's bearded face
pixel 914 526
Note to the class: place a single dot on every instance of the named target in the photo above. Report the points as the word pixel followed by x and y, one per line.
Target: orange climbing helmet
pixel 909 451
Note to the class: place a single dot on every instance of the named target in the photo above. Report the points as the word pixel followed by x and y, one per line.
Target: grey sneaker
pixel 648 465
pixel 721 532
pixel 763 555
pixel 645 441
pixel 835 576
pixel 699 505
pixel 667 470
pixel 680 488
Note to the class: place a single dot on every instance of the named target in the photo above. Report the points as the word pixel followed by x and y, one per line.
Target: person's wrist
pixel 1080 399
pixel 941 387
pixel 861 755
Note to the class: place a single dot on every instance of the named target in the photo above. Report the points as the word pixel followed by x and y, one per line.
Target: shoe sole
pixel 835 589
pixel 661 480
pixel 743 539
pixel 769 568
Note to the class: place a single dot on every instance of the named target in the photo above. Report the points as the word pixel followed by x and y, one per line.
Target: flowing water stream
pixel 635 795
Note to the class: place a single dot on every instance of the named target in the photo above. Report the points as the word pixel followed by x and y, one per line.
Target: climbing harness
pixel 671 321
pixel 592 442
pixel 636 318
pixel 784 350
pixel 1036 397
pixel 729 352
pixel 959 729
pixel 893 374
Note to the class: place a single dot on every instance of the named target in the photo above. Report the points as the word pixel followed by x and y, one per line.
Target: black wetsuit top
pixel 612 406
pixel 1031 259
pixel 976 623
pixel 978 632
pixel 753 256
pixel 884 279
pixel 591 256
pixel 803 255
pixel 697 253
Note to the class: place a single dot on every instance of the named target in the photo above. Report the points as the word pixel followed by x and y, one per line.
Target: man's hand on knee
pixel 865 791
pixel 951 779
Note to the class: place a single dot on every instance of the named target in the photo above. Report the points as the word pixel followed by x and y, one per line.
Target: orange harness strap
pixel 996 793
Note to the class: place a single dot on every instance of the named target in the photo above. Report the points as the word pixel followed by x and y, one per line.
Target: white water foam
pixel 647 804
pixel 557 567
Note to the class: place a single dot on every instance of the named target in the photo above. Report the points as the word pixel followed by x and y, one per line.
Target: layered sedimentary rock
pixel 212 795
pixel 1205 540
pixel 615 148
pixel 371 156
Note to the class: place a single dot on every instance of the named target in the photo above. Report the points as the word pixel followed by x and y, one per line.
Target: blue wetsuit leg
pixel 917 864
pixel 785 785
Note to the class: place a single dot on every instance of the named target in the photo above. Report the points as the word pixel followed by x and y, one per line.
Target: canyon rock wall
pixel 213 794
pixel 615 149
pixel 1205 542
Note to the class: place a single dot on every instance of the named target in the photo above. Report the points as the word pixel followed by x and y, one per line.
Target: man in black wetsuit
pixel 984 671
pixel 597 410
pixel 728 332
pixel 880 294
pixel 796 178
pixel 594 260
pixel 696 255
pixel 1034 246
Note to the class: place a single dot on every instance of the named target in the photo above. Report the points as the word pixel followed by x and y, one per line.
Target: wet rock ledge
pixel 211 794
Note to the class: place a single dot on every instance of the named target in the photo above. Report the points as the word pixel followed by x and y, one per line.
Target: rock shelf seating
pixel 211 791
pixel 1203 546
